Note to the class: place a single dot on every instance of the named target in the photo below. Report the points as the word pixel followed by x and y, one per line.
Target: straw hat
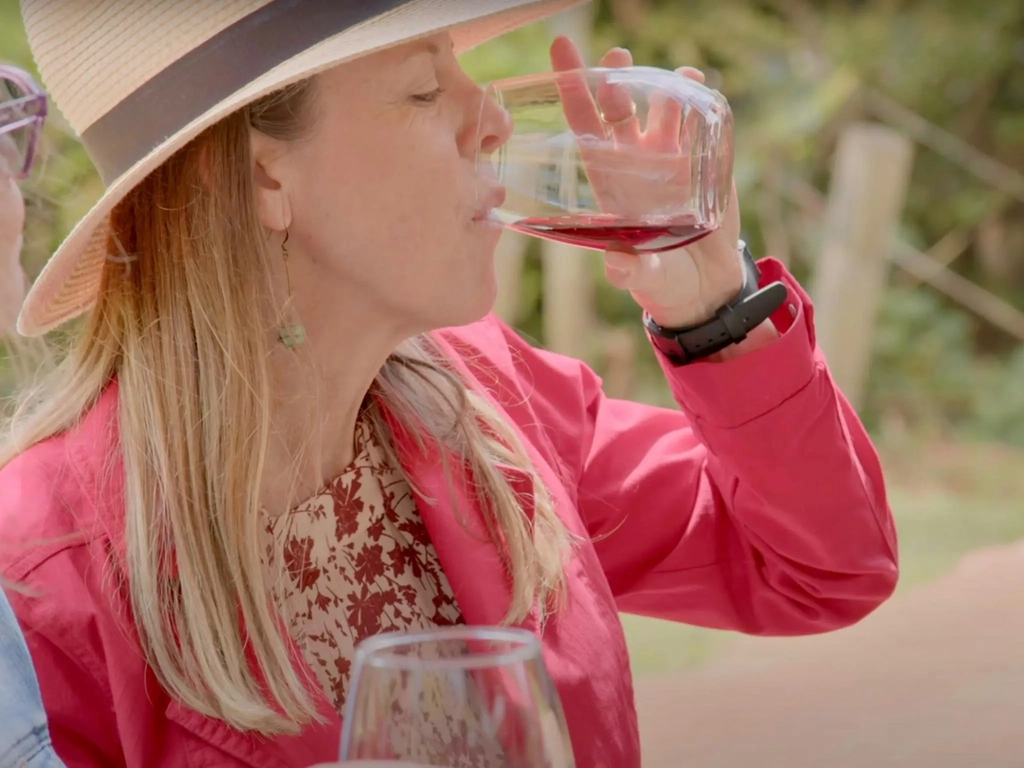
pixel 138 79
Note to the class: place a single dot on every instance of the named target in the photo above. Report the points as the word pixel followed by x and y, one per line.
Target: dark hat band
pixel 212 72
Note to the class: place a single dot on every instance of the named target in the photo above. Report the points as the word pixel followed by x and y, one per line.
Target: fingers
pixel 693 117
pixel 638 272
pixel 693 73
pixel 581 111
pixel 565 55
pixel 664 123
pixel 613 109
pixel 615 101
pixel 665 130
pixel 670 126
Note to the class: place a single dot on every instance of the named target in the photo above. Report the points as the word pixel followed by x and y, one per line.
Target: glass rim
pixel 519 81
pixel 378 651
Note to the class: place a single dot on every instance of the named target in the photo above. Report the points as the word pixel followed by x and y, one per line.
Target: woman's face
pixel 382 200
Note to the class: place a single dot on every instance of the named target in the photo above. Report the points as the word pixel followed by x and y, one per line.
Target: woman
pixel 24 737
pixel 22 112
pixel 265 450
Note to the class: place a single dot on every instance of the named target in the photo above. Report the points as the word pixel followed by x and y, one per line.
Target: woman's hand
pixel 678 288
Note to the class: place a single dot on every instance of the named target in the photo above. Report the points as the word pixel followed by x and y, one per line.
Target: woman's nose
pixel 493 126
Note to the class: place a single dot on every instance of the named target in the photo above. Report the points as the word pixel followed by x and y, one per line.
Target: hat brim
pixel 69 284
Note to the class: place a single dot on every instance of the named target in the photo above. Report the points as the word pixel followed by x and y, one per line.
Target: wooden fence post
pixel 569 270
pixel 869 187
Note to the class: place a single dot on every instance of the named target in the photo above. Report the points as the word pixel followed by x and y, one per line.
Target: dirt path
pixel 934 679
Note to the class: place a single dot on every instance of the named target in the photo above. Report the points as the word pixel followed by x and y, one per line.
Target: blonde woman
pixel 262 447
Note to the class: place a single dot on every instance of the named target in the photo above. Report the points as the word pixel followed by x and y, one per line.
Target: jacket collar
pixel 479 579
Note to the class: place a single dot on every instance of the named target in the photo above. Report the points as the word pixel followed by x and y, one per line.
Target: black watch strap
pixel 730 325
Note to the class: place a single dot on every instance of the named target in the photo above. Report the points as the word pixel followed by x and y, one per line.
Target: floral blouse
pixel 357 561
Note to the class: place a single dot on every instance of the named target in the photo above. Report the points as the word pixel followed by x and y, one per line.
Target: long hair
pixel 183 328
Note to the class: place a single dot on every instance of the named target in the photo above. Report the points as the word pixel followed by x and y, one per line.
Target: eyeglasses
pixel 22 114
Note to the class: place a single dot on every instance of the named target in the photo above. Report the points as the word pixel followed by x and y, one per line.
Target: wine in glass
pixel 458 697
pixel 635 158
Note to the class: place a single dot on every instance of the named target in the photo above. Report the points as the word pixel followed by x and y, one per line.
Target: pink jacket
pixel 759 506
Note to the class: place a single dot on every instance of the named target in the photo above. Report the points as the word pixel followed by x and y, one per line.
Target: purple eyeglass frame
pixel 35 103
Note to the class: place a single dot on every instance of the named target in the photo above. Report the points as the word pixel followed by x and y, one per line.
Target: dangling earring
pixel 291 334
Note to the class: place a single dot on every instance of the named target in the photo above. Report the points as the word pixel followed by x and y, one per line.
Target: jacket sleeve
pixel 73 707
pixel 758 506
pixel 78 703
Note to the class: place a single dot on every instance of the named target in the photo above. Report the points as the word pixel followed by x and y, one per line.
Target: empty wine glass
pixel 638 158
pixel 454 698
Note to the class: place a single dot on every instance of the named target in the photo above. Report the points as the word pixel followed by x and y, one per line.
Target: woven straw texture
pixel 94 53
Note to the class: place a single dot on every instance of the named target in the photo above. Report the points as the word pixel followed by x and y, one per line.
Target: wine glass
pixel 477 697
pixel 635 158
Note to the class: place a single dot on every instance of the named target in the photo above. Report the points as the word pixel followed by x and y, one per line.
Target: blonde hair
pixel 183 327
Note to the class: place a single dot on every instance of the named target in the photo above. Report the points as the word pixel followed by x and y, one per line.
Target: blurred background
pixel 880 154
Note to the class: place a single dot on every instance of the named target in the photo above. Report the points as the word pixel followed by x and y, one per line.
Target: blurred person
pixel 12 217
pixel 24 736
pixel 288 420
pixel 19 132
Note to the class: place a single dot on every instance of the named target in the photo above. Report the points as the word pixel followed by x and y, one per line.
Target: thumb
pixel 621 269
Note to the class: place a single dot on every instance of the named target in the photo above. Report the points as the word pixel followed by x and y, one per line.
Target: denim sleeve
pixel 24 736
pixel 42 757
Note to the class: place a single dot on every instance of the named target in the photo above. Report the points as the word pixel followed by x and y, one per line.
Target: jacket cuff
pixel 731 393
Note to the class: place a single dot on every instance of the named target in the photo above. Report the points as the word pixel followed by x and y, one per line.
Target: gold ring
pixel 621 120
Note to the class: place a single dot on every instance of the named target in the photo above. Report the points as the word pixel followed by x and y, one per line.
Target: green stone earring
pixel 290 334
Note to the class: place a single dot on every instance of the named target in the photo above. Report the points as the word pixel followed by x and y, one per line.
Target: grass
pixel 948 499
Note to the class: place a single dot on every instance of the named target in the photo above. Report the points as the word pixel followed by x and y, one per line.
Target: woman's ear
pixel 271 198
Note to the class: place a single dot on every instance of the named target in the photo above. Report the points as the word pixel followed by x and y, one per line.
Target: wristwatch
pixel 730 325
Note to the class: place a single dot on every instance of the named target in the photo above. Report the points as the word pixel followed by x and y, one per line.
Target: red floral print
pixel 357 560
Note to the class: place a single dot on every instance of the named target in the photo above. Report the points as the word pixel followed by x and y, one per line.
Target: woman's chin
pixel 479 309
pixel 473 304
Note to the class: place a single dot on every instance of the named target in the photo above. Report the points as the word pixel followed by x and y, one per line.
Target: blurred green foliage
pixel 796 72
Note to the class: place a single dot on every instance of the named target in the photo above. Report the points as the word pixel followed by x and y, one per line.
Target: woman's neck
pixel 319 386
pixel 319 390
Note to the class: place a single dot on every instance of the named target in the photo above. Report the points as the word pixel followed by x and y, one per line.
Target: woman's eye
pixel 428 98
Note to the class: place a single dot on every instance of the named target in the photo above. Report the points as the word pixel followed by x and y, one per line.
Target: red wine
pixel 603 232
